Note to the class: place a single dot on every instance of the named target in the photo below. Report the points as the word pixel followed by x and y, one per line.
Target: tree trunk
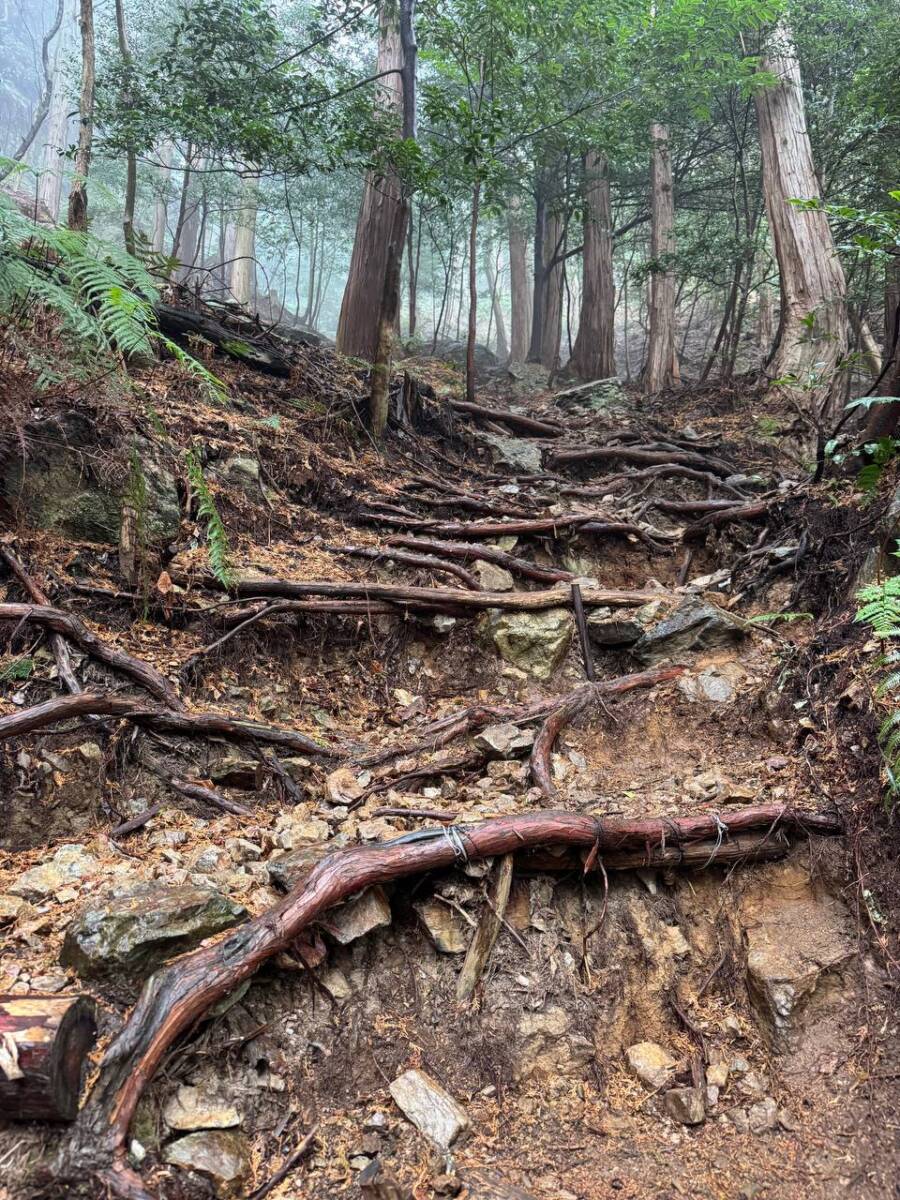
pixel 496 306
pixel 765 321
pixel 44 1043
pixel 161 202
pixel 130 155
pixel 473 295
pixel 868 347
pixel 661 367
pixel 359 323
pixel 593 356
pixel 538 288
pixel 77 216
pixel 883 418
pixel 50 179
pixel 189 218
pixel 243 267
pixel 552 273
pixel 520 295
pixel 813 293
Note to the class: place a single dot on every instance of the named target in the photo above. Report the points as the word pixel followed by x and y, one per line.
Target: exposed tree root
pixel 223 725
pixel 177 996
pixel 472 552
pixel 517 421
pixel 713 520
pixel 597 524
pixel 70 627
pixel 412 560
pixel 57 641
pixel 635 454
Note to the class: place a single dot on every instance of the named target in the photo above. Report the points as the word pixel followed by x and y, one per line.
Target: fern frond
pixel 216 537
pixel 213 385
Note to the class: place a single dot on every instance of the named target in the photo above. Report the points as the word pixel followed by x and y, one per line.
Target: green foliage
pixel 16 669
pixel 773 618
pixel 880 607
pixel 880 610
pixel 216 536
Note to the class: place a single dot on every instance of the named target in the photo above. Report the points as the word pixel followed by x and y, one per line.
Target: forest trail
pixel 670 1026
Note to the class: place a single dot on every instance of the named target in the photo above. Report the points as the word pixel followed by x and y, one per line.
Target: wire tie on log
pixel 454 837
pixel 721 831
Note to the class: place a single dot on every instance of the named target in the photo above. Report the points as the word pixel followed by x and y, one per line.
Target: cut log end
pixel 44 1042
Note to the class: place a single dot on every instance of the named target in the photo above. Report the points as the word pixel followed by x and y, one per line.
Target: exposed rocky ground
pixel 698 1029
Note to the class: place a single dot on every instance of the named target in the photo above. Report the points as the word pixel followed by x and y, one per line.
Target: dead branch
pixel 412 560
pixel 472 552
pixel 57 641
pixel 207 795
pixel 70 627
pixel 515 421
pixel 176 996
pixel 224 725
pixel 485 935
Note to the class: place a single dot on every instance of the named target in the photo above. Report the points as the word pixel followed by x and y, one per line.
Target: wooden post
pixel 44 1041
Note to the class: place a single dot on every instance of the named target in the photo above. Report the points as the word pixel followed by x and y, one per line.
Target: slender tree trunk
pixel 42 108
pixel 869 351
pixel 661 367
pixel 594 356
pixel 243 269
pixel 50 181
pixel 190 215
pixel 413 255
pixel 473 294
pixel 130 156
pixel 77 216
pixel 359 321
pixel 539 292
pixel 813 293
pixel 765 321
pixel 883 418
pixel 554 236
pixel 491 270
pixel 520 297
pixel 161 201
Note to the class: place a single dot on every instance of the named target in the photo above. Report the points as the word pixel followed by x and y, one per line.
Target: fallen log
pixel 57 641
pixel 70 627
pixel 517 421
pixel 182 323
pixel 426 562
pixel 595 523
pixel 435 599
pixel 178 995
pixel 44 1043
pixel 681 458
pixel 104 704
pixel 473 552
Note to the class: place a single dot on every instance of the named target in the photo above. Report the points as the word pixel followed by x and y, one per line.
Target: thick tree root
pixel 522 424
pixel 597 524
pixel 223 725
pixel 70 627
pixel 423 561
pixel 472 552
pixel 177 996
pixel 644 455
pixel 57 641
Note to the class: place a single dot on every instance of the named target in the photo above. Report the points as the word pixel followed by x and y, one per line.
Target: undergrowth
pixel 216 535
pixel 880 611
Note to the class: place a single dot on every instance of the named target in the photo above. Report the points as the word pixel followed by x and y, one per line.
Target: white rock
pixel 651 1063
pixel 429 1107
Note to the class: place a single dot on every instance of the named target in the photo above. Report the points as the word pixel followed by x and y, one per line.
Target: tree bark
pixel 552 277
pixel 358 324
pixel 243 267
pixel 883 418
pixel 813 292
pixel 661 368
pixel 44 1043
pixel 765 321
pixel 520 293
pixel 539 289
pixel 50 181
pixel 77 216
pixel 473 294
pixel 161 201
pixel 130 155
pixel 496 306
pixel 42 107
pixel 593 356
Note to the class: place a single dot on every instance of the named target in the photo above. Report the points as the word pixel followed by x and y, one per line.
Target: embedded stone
pixel 651 1063
pixel 429 1107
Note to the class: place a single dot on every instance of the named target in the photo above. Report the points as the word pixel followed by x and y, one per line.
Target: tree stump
pixel 44 1041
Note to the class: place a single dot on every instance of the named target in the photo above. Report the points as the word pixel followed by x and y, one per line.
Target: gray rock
pixel 133 933
pixel 715 685
pixel 651 1063
pixel 192 1108
pixel 763 1116
pixel 547 1048
pixel 358 917
pixel 535 642
pixel 242 471
pixel 68 863
pixel 429 1107
pixel 493 578
pixel 694 625
pixel 221 1154
pixel 504 740
pixel 444 926
pixel 515 453
pixel 605 629
pixel 288 869
pixel 685 1105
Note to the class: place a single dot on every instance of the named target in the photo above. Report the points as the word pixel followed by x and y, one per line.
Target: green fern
pixel 216 536
pixel 16 670
pixel 880 607
pixel 880 610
